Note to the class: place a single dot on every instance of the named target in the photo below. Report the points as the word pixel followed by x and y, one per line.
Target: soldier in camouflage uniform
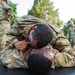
pixel 5 19
pixel 13 58
pixel 52 56
pixel 71 34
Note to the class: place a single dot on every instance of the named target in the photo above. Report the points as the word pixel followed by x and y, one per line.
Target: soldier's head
pixel 72 23
pixel 40 35
pixel 3 2
pixel 40 61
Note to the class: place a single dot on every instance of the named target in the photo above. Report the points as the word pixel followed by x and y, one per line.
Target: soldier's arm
pixel 8 12
pixel 11 40
pixel 61 43
pixel 12 36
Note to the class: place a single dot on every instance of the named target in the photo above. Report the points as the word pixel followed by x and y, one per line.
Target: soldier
pixel 38 60
pixel 41 60
pixel 5 19
pixel 28 26
pixel 71 34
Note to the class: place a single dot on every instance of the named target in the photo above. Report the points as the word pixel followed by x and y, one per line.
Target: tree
pixel 44 9
pixel 14 6
pixel 65 28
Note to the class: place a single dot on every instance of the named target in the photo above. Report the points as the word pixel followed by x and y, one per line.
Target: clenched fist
pixel 21 45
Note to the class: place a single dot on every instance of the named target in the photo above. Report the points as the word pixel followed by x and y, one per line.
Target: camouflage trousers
pixel 4 27
pixel 72 41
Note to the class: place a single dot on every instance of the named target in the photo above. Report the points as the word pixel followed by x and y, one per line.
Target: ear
pixel 34 27
pixel 33 51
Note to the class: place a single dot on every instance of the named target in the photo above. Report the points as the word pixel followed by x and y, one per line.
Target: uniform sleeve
pixel 61 43
pixel 8 13
pixel 12 36
pixel 64 60
pixel 11 40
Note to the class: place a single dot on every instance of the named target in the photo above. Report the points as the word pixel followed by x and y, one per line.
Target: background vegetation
pixel 45 10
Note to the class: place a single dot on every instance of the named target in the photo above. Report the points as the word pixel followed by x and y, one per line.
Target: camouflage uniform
pixel 63 59
pixel 13 58
pixel 6 14
pixel 71 35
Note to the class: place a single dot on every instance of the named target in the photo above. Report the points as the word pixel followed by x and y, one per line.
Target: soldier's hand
pixel 21 45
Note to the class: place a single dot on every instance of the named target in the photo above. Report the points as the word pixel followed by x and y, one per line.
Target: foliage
pixel 65 28
pixel 14 6
pixel 44 9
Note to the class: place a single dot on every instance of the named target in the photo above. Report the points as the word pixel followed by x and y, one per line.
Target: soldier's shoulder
pixel 54 27
pixel 29 18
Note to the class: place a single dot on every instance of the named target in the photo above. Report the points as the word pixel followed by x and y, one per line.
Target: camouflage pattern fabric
pixel 64 60
pixel 13 58
pixel 6 14
pixel 20 31
pixel 71 35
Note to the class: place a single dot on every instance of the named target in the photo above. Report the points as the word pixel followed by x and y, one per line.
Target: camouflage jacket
pixel 21 30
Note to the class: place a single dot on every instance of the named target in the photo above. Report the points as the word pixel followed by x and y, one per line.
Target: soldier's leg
pixel 74 44
pixel 3 30
pixel 71 42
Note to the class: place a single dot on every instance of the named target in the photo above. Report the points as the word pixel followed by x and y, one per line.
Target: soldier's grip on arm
pixel 21 45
